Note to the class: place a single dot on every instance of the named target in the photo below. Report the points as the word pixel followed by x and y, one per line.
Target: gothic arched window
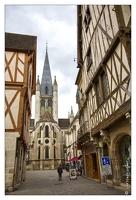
pixel 50 102
pixel 43 103
pixel 46 131
pixel 46 152
pixel 55 152
pixel 38 153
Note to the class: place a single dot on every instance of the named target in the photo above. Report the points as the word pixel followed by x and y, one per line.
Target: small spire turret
pixel 38 84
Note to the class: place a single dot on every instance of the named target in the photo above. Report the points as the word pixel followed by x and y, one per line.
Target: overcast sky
pixel 56 25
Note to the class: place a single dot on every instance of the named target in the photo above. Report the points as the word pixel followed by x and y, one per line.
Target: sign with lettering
pixel 106 165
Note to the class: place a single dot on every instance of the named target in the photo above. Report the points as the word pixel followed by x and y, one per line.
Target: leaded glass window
pixel 105 85
pixel 99 99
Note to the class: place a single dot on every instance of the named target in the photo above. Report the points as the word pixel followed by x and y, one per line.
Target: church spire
pixel 38 84
pixel 46 46
pixel 55 82
pixel 46 83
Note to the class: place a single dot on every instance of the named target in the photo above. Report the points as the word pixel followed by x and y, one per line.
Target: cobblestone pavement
pixel 46 183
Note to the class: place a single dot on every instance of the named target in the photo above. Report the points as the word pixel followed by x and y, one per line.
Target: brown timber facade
pixel 20 74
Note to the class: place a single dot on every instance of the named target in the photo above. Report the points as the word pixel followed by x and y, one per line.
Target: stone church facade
pixel 47 132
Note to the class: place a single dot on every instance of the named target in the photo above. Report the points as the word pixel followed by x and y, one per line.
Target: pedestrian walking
pixel 60 171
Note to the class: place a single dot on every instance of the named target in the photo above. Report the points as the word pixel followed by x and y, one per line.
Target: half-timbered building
pixel 20 78
pixel 104 89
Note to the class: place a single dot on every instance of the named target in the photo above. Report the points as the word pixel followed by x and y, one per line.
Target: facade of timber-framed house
pixel 104 89
pixel 20 80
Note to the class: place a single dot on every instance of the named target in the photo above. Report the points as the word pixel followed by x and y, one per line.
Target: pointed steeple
pixel 72 113
pixel 38 84
pixel 46 83
pixel 55 82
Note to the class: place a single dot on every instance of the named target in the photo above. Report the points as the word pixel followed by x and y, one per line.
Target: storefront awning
pixel 80 157
pixel 73 159
pixel 76 158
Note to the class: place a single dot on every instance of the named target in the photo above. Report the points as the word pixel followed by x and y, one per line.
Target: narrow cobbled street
pixel 46 183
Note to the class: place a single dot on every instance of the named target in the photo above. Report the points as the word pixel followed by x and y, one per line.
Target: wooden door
pixel 95 166
pixel 89 166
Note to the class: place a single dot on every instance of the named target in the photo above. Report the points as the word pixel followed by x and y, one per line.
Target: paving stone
pixel 46 183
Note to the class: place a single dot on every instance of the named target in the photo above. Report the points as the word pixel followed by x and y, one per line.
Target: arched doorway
pixel 121 154
pixel 125 157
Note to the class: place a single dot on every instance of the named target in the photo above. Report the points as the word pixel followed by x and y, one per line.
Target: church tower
pixel 46 136
pixel 46 93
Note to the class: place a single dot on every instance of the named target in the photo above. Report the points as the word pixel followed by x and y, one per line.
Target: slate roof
pixel 64 123
pixel 46 81
pixel 20 42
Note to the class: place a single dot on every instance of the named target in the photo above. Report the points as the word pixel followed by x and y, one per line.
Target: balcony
pixel 83 132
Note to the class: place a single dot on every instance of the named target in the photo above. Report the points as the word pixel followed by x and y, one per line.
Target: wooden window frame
pixel 101 88
pixel 89 58
pixel 87 18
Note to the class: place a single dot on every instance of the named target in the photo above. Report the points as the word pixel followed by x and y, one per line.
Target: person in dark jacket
pixel 60 171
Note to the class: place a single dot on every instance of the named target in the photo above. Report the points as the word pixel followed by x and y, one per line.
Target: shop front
pixel 91 161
